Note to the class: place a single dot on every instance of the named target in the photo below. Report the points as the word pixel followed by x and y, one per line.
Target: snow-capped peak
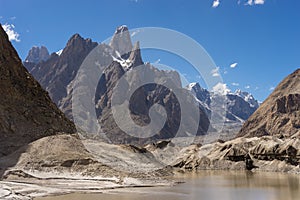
pixel 247 97
pixel 191 85
pixel 221 89
pixel 121 29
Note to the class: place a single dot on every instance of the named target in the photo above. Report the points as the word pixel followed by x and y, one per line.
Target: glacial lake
pixel 208 185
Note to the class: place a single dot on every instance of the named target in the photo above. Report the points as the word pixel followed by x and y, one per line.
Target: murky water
pixel 209 186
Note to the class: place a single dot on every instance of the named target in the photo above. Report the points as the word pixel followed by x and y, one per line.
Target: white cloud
pixel 247 87
pixel 13 18
pixel 235 84
pixel 12 34
pixel 233 65
pixel 255 2
pixel 215 72
pixel 249 2
pixel 259 2
pixel 221 88
pixel 272 88
pixel 216 3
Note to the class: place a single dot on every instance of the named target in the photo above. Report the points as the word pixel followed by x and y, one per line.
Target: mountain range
pixel 57 76
pixel 58 72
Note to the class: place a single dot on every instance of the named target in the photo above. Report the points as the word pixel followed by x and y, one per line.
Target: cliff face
pixel 27 112
pixel 279 115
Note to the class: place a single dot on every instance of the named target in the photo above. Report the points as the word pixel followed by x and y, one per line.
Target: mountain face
pixel 57 76
pixel 279 114
pixel 121 41
pixel 58 71
pixel 141 101
pixel 37 54
pixel 239 106
pixel 27 112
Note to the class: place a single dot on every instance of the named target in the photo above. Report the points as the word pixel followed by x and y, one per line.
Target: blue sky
pixel 261 36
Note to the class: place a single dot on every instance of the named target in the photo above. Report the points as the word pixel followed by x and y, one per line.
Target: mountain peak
pixel 37 54
pixel 193 86
pixel 135 56
pixel 76 36
pixel 121 29
pixel 75 39
pixel 77 43
pixel 121 41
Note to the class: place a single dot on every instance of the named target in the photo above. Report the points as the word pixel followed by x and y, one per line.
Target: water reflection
pixel 210 185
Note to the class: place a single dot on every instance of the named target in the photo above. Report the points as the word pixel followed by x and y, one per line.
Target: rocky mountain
pixel 141 101
pixel 121 41
pixel 37 54
pixel 27 112
pixel 279 114
pixel 57 76
pixel 239 106
pixel 268 141
pixel 58 71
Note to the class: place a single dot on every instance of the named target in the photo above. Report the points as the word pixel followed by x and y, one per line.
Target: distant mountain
pixel 27 112
pixel 57 75
pixel 37 54
pixel 235 106
pixel 279 114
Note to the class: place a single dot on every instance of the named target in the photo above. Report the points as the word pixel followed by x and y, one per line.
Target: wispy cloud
pixel 235 84
pixel 13 18
pixel 272 88
pixel 234 65
pixel 216 3
pixel 12 34
pixel 255 2
pixel 247 87
pixel 259 1
pixel 215 72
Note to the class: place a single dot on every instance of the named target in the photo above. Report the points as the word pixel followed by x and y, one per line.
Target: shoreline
pixel 30 189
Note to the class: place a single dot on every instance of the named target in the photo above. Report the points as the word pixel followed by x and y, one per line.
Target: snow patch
pixel 247 97
pixel 126 64
pixel 191 85
pixel 59 52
